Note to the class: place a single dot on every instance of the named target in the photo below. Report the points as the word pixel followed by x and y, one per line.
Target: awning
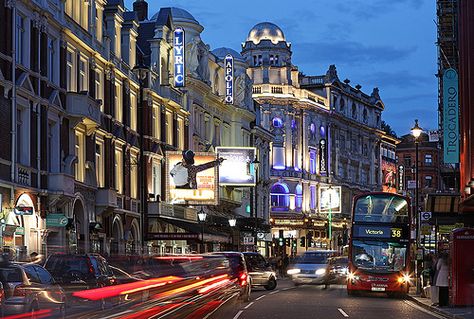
pixel 210 235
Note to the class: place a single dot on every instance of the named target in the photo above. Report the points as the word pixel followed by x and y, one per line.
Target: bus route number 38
pixel 396 232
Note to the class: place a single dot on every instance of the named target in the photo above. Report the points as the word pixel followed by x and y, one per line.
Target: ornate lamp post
pixel 232 223
pixel 141 72
pixel 416 132
pixel 202 219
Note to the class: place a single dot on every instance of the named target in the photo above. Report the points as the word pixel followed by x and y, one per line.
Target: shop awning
pixel 210 234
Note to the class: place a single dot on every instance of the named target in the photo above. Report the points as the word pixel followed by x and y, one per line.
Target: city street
pixel 306 301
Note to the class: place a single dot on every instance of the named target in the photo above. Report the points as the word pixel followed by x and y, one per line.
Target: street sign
pixel 56 220
pixel 24 210
pixel 248 240
pixel 411 184
pixel 425 215
pixel 20 231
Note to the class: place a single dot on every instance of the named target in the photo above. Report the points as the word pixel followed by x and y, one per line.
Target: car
pixel 28 288
pixel 310 267
pixel 336 270
pixel 260 271
pixel 238 271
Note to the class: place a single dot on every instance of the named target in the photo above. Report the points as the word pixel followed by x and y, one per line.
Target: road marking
pixel 257 299
pixel 424 310
pixel 288 288
pixel 274 292
pixel 248 306
pixel 343 312
pixel 238 314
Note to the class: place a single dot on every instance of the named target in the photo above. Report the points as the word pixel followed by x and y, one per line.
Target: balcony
pixel 171 94
pixel 84 108
pixel 60 182
pixel 106 197
pixel 156 209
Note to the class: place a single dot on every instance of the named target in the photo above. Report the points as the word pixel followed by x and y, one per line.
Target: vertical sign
pixel 322 157
pixel 229 79
pixel 450 117
pixel 178 49
pixel 401 176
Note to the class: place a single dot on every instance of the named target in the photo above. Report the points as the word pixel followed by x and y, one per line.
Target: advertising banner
pixel 450 117
pixel 330 199
pixel 191 178
pixel 237 168
pixel 322 157
pixel 229 79
pixel 178 50
pixel 389 177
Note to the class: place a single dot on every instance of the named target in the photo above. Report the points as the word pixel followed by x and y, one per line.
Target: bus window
pixel 381 208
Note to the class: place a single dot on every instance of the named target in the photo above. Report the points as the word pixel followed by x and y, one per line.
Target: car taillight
pixel 19 291
pixel 243 278
pixel 91 268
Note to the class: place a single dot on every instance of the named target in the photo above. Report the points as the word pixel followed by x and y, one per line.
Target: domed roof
pixel 222 52
pixel 266 31
pixel 179 15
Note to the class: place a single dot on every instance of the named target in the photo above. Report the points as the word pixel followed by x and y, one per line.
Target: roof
pixel 178 14
pixel 266 31
pixel 222 52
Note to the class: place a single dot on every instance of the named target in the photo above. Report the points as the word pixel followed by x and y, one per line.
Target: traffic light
pixel 288 241
pixel 309 237
pixel 280 242
pixel 293 243
pixel 302 241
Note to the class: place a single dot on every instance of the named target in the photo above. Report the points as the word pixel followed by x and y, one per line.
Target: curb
pixel 434 309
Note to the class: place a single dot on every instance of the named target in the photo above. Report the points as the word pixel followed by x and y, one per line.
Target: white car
pixel 310 268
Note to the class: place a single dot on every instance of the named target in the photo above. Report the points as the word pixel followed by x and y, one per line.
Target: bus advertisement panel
pixel 379 246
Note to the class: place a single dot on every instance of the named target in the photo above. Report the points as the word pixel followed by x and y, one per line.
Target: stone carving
pixel 197 59
pixel 243 91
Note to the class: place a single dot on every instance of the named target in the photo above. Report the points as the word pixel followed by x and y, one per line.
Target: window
pixel 80 152
pixel 118 169
pixel 180 132
pixel 83 84
pixel 20 39
pixel 299 197
pixel 100 163
pixel 118 100
pixel 23 136
pixel 428 159
pixel 52 60
pixel 99 87
pixel 133 111
pixel 279 197
pixel 354 111
pixel 312 161
pixel 365 116
pixel 312 197
pixel 78 11
pixel 428 181
pixel 156 178
pixel 342 105
pixel 156 122
pixel 70 70
pixel 169 128
pixel 50 146
pixel 98 22
pixel 117 39
pixel 407 161
pixel 134 176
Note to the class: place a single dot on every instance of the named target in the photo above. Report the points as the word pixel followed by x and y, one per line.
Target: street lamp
pixel 416 132
pixel 141 72
pixel 202 218
pixel 232 223
pixel 256 164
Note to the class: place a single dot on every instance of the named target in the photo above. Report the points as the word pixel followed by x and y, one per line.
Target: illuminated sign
pixel 237 169
pixel 191 178
pixel 379 232
pixel 288 222
pixel 401 177
pixel 24 210
pixel 229 79
pixel 389 177
pixel 450 117
pixel 322 157
pixel 178 49
pixel 330 199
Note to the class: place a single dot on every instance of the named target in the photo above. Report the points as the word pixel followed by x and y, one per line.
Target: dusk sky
pixel 375 43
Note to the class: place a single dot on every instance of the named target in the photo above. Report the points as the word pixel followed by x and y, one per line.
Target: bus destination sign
pixel 378 232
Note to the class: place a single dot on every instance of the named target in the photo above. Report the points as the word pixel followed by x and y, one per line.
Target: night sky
pixel 384 43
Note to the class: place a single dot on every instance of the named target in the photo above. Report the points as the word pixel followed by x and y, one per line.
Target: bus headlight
pixel 293 271
pixel 352 277
pixel 405 278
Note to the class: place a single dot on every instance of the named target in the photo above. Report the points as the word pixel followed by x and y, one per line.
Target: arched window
pixel 277 122
pixel 299 197
pixel 354 111
pixel 342 105
pixel 280 197
pixel 364 115
pixel 216 83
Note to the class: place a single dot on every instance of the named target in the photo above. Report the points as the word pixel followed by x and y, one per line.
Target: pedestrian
pixel 441 279
pixel 286 262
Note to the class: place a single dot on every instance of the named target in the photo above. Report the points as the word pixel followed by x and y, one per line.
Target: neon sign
pixel 229 79
pixel 178 50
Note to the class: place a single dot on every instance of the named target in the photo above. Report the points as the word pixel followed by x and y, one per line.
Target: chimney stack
pixel 141 8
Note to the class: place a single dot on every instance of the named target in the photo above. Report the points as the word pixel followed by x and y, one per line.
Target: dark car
pixel 29 287
pixel 238 271
pixel 80 272
pixel 260 271
pixel 336 270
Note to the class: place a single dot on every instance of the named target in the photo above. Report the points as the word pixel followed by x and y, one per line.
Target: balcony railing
pixel 24 175
pixel 82 106
pixel 164 209
pixel 61 182
pixel 106 197
pixel 171 93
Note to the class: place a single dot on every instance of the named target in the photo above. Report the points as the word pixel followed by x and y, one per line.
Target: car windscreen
pixel 10 274
pixel 313 258
pixel 64 265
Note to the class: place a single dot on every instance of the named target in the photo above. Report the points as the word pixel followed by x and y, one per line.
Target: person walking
pixel 441 280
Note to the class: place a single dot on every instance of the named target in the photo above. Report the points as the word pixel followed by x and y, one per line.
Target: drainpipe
pixel 38 141
pixel 13 106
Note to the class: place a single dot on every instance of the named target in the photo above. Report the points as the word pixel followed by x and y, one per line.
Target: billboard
pixel 237 168
pixel 229 79
pixel 330 199
pixel 450 117
pixel 178 50
pixel 191 178
pixel 389 172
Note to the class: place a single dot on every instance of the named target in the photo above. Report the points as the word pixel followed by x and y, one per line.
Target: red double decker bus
pixel 379 245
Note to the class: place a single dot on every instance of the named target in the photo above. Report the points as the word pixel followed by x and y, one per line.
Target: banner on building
pixel 191 178
pixel 401 177
pixel 450 117
pixel 323 157
pixel 229 79
pixel 178 49
pixel 389 177
pixel 329 199
pixel 238 168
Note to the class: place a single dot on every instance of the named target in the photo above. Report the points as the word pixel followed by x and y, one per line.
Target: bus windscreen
pixel 378 255
pixel 381 208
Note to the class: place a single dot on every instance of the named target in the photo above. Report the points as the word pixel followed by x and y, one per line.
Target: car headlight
pixel 293 271
pixel 320 271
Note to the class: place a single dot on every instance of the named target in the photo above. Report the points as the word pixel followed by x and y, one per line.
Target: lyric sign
pixel 178 49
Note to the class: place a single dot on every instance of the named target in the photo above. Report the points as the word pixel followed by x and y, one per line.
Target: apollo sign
pixel 229 79
pixel 178 49
pixel 450 117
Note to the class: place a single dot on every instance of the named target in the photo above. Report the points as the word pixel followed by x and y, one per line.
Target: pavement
pixel 446 312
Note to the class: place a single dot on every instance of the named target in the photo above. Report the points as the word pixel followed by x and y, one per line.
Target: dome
pixel 266 31
pixel 179 15
pixel 222 52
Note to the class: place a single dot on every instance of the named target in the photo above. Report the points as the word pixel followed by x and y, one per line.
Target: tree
pixel 388 129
